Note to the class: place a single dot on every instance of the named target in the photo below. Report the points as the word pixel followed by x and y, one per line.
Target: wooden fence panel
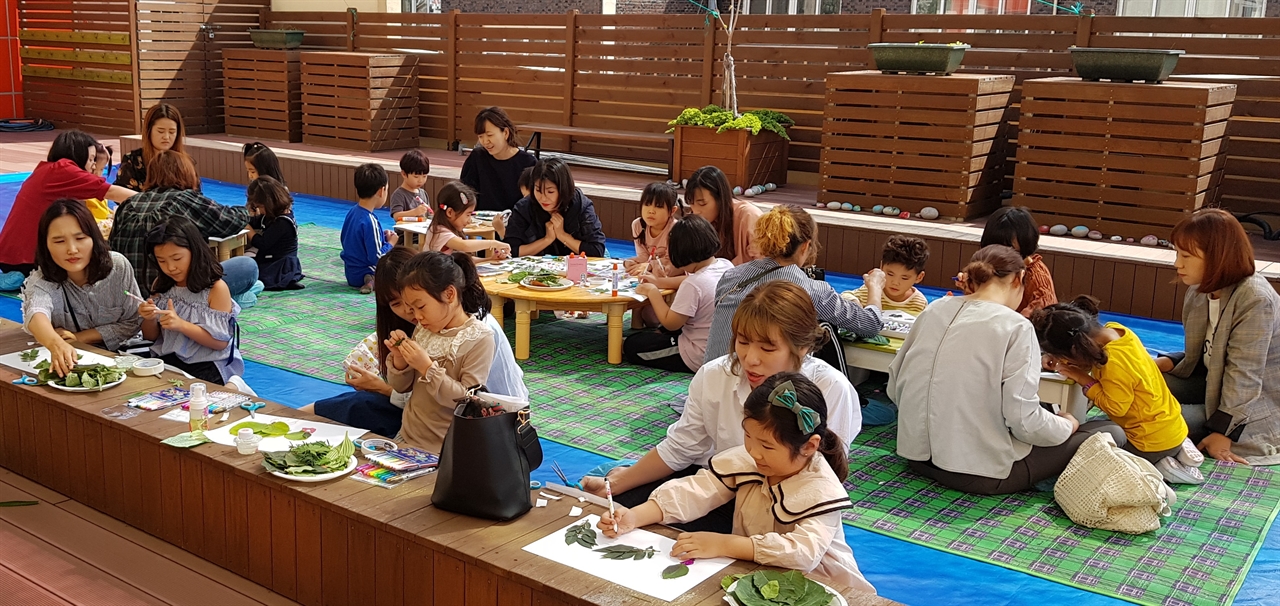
pixel 174 75
pixel 426 36
pixel 78 65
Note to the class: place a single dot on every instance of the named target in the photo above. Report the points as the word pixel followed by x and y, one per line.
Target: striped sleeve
pixel 849 315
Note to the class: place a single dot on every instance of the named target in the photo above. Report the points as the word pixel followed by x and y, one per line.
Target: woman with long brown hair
pixel 162 130
pixel 774 330
pixel 1228 381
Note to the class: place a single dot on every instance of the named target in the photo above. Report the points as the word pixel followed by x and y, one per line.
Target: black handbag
pixel 485 460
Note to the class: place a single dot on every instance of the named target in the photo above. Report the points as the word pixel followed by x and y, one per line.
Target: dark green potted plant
pixel 277 38
pixel 1124 64
pixel 918 58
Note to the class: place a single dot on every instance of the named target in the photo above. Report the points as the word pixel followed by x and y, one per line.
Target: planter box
pixel 1127 160
pixel 360 101
pixel 899 57
pixel 746 159
pixel 1124 64
pixel 915 142
pixel 263 93
pixel 277 38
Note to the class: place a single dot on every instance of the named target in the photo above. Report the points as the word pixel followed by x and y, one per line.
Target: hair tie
pixel 784 395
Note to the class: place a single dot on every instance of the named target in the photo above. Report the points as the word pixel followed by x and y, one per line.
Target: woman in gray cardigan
pixel 966 382
pixel 1228 381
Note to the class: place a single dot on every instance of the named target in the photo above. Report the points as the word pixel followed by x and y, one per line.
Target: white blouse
pixel 712 418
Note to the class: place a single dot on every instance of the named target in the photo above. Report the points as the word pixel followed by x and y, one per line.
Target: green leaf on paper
pixel 675 571
pixel 582 534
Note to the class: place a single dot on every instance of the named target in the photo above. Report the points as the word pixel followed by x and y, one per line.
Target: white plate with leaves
pixel 312 461
pixel 82 378
pixel 546 283
pixel 790 587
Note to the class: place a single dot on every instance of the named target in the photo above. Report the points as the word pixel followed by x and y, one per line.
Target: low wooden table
pixel 415 234
pixel 576 298
pixel 332 543
pixel 1054 388
pixel 230 246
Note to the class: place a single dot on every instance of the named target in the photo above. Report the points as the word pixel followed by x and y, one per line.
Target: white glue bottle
pixel 198 408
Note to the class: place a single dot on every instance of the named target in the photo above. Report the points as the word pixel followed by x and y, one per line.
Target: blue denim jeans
pixel 239 273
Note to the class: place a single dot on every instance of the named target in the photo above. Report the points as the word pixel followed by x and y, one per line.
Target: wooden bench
pixel 320 544
pixel 622 136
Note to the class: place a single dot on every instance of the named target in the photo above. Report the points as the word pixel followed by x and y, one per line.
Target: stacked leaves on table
pixel 310 459
pixel 771 587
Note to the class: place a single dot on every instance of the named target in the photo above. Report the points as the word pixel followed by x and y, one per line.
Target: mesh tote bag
pixel 1108 488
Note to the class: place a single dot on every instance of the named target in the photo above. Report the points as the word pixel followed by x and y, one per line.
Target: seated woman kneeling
pixel 967 381
pixel 775 330
pixel 80 289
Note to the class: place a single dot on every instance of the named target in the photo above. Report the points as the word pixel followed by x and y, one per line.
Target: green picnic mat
pixel 579 399
pixel 1199 556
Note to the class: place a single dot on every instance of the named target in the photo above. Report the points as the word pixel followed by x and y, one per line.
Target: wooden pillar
pixel 875 30
pixel 1084 29
pixel 708 61
pixel 134 66
pixel 451 52
pixel 353 17
pixel 570 39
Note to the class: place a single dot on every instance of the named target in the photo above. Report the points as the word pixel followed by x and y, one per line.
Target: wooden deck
pixel 62 553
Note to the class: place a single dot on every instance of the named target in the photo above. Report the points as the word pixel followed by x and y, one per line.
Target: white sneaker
pixel 1190 456
pixel 240 386
pixel 1175 472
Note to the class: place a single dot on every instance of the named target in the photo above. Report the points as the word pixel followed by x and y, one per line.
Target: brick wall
pixel 1101 7
pixel 527 6
pixel 670 7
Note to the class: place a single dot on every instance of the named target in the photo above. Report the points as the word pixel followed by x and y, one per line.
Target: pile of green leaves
pixel 272 430
pixel 87 375
pixel 770 587
pixel 310 459
pixel 30 355
pixel 714 116
pixel 582 534
pixel 540 278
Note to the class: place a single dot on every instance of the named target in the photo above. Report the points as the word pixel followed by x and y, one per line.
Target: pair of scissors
pixel 252 407
pixel 560 473
pixel 26 380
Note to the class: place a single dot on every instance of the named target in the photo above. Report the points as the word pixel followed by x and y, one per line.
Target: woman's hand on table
pixel 1218 446
pixel 1165 364
pixel 62 357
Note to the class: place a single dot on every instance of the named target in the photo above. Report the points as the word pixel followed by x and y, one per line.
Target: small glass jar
pixel 247 441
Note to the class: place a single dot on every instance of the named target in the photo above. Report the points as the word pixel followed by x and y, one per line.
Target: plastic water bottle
pixel 198 408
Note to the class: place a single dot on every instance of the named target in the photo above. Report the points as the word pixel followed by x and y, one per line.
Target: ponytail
pixel 1066 330
pixel 475 300
pixel 780 232
pixel 836 453
pixel 434 272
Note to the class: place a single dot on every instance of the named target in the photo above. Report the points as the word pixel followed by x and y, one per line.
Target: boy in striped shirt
pixel 902 262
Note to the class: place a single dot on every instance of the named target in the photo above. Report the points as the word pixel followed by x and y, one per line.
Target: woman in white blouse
pixel 774 330
pixel 966 382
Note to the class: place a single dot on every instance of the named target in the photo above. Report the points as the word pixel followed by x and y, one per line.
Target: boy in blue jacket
pixel 363 239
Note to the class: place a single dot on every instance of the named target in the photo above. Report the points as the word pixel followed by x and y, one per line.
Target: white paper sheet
pixel 644 576
pixel 14 360
pixel 326 432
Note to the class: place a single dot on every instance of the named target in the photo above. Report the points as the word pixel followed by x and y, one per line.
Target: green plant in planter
pixel 714 116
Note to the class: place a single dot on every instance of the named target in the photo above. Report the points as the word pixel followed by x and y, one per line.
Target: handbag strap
pixel 527 439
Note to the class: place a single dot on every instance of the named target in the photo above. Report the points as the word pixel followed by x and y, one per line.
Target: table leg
pixel 615 311
pixel 523 309
pixel 1075 402
pixel 498 303
pixel 224 252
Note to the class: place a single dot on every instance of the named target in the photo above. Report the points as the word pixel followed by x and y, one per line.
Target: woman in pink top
pixel 710 197
pixel 659 206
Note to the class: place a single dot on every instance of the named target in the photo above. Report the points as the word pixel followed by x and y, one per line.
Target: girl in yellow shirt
pixel 1120 377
